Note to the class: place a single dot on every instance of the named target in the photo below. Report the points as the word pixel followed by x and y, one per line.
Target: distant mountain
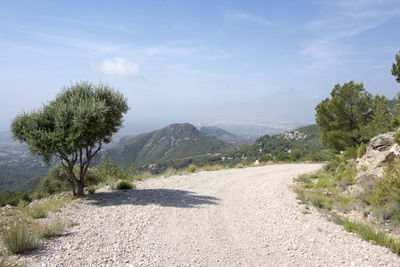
pixel 223 134
pixel 175 141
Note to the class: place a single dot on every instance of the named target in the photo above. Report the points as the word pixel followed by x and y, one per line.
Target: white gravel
pixel 236 217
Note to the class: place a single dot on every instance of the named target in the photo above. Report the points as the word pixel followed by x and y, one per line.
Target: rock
pixel 382 150
pixel 256 163
pixel 382 142
pixel 369 176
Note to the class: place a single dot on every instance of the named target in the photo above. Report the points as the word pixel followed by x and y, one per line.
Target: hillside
pixel 306 139
pixel 222 134
pixel 175 141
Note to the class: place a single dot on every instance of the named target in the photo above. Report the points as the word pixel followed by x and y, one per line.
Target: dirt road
pixel 236 217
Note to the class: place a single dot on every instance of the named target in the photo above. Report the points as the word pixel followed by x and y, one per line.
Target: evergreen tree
pixel 341 117
pixel 396 68
pixel 381 119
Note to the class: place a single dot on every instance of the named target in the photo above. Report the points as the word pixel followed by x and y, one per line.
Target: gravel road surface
pixel 235 217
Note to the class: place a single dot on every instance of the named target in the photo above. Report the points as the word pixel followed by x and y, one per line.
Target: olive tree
pixel 73 127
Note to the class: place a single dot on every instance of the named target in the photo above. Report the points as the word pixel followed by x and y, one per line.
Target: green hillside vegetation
pixel 173 142
pixel 222 134
pixel 21 177
pixel 304 140
pixel 302 144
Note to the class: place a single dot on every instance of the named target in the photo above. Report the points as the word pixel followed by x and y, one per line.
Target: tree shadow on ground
pixel 162 197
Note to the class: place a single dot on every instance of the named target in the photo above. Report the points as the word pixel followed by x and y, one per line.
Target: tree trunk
pixel 79 186
pixel 73 187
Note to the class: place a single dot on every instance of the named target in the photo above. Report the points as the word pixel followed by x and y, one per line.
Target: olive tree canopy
pixel 73 127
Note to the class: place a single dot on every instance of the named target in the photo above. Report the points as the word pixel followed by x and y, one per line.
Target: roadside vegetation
pixel 348 120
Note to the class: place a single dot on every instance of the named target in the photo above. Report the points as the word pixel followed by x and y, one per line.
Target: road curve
pixel 235 217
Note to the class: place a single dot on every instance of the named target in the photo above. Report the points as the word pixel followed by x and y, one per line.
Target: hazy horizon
pixel 197 62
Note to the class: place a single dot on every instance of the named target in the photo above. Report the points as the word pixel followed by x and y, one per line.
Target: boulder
pixel 381 150
pixel 382 142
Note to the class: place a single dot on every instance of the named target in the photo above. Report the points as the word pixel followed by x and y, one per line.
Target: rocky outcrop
pixel 381 151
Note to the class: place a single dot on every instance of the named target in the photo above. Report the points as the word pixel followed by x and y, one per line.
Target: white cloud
pixel 237 15
pixel 119 66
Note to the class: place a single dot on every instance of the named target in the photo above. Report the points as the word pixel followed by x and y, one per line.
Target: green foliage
pixel 38 212
pixel 21 177
pixel 215 167
pixel 124 184
pixel 397 137
pixel 361 150
pixel 380 120
pixel 110 173
pixel 384 198
pixel 367 233
pixel 341 117
pixel 191 168
pixel 266 158
pixel 57 180
pixel 19 239
pixel 50 229
pixel 13 198
pixel 72 127
pixel 396 68
pixel 239 166
pixel 350 153
pixel 295 155
pixel 282 156
pixel 319 201
pixel 91 189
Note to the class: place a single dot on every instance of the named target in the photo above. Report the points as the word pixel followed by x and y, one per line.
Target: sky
pixel 197 61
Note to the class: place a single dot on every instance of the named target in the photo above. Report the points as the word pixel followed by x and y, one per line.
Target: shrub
pixel 350 153
pixel 265 158
pixel 109 172
pixel 215 167
pixel 47 230
pixel 18 239
pixel 361 150
pixel 168 172
pixel 367 233
pixel 239 165
pixel 282 156
pixel 191 168
pixel 124 184
pixel 397 137
pixel 91 189
pixel 143 175
pixel 38 212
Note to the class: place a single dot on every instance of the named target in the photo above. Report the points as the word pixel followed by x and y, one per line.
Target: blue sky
pixel 197 61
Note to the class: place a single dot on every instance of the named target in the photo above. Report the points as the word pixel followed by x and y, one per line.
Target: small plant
pixel 367 233
pixel 141 176
pixel 22 204
pixel 124 184
pixel 191 168
pixel 239 166
pixel 169 172
pixel 91 189
pixel 215 167
pixel 55 228
pixel 38 212
pixel 19 239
